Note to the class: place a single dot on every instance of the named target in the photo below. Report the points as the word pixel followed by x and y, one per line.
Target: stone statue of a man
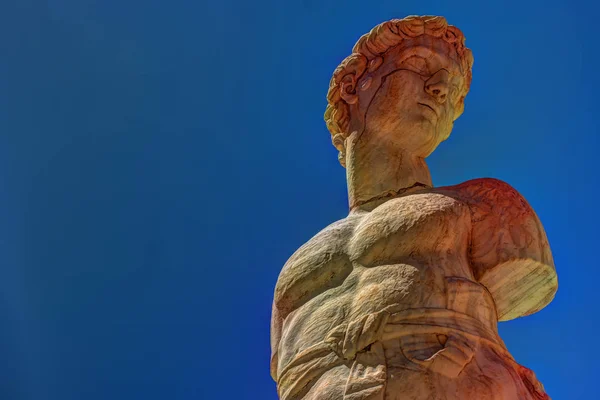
pixel 401 299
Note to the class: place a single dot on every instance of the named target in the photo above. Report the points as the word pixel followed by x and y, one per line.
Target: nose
pixel 437 86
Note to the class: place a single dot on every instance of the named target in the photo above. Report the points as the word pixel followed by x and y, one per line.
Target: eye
pixel 455 88
pixel 417 64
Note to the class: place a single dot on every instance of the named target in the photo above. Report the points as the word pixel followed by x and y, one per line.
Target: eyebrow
pixel 449 63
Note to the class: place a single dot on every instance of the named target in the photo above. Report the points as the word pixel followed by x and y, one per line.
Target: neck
pixel 379 172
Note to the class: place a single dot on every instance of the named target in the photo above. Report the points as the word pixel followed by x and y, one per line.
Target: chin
pixel 424 138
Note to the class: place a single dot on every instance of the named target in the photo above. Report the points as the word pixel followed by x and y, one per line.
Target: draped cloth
pixel 369 347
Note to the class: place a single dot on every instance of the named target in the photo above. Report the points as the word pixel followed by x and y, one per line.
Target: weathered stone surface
pixel 401 299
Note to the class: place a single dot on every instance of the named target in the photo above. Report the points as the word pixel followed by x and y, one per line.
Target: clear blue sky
pixel 160 161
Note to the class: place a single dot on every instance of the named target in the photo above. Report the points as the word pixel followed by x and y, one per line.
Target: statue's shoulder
pixel 319 264
pixel 488 195
pixel 509 251
pixel 332 239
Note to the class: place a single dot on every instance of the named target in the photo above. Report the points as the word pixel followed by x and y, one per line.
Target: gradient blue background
pixel 160 161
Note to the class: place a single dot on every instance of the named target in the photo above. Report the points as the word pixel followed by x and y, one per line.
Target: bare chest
pixel 426 231
pixel 417 227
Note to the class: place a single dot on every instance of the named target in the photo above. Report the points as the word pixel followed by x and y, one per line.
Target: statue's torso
pixel 409 253
pixel 400 253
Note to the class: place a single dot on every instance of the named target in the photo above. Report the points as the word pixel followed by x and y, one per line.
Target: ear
pixel 339 141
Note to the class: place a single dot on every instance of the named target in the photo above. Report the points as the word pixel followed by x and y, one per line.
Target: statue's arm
pixel 509 250
pixel 276 326
pixel 317 266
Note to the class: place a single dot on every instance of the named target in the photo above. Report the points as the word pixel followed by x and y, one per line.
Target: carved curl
pixel 367 54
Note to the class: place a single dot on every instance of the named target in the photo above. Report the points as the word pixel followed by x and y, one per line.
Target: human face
pixel 415 105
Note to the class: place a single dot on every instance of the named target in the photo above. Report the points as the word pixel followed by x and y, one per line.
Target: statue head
pixel 404 83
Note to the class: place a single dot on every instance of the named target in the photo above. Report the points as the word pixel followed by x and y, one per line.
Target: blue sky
pixel 160 161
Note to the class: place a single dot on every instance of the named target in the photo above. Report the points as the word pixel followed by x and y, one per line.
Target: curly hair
pixel 367 56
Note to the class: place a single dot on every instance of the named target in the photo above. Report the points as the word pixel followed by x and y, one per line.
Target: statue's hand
pixel 348 339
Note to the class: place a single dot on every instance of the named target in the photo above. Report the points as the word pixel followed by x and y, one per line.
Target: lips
pixel 429 106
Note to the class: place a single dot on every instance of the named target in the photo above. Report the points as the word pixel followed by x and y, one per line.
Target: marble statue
pixel 401 299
